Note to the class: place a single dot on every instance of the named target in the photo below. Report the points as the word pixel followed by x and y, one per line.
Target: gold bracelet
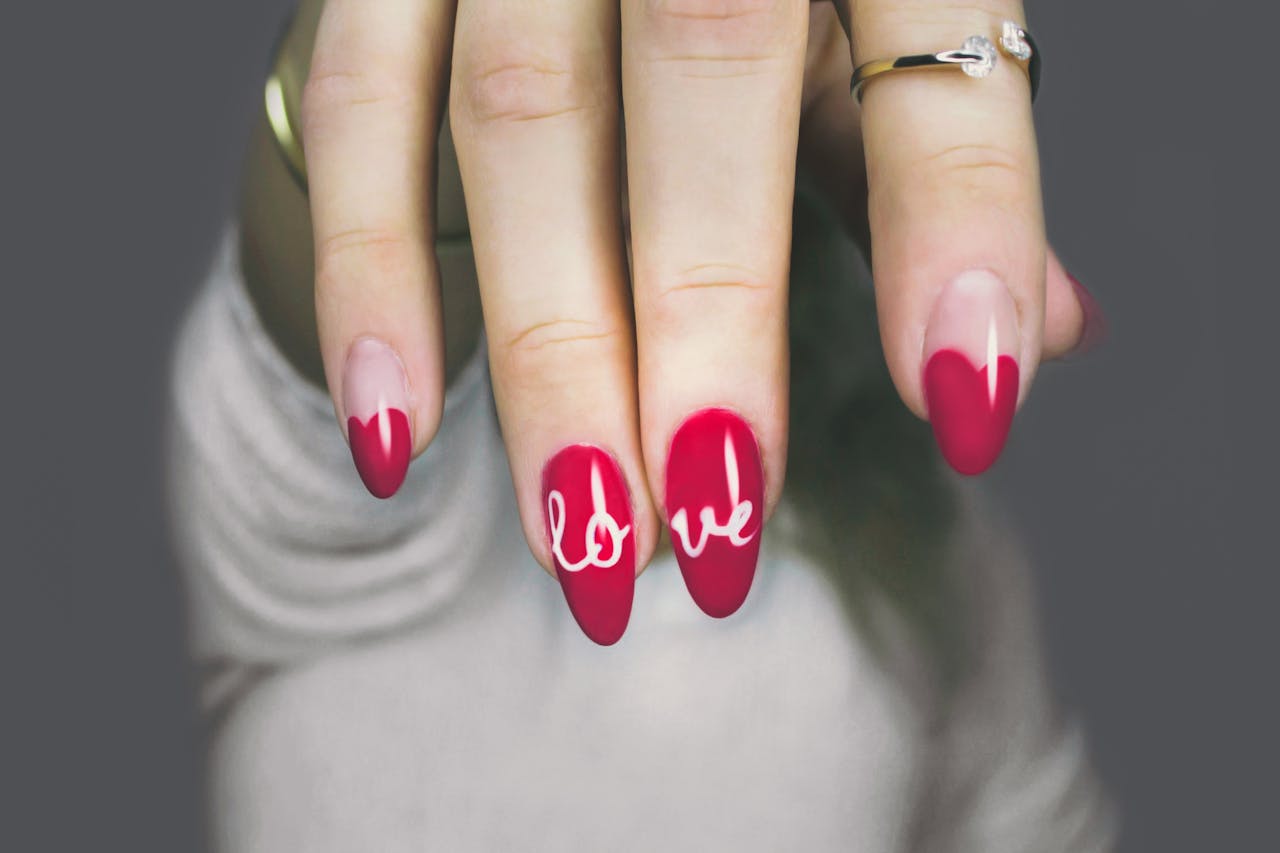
pixel 280 119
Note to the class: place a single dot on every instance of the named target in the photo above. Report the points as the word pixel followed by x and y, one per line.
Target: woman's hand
pixel 662 382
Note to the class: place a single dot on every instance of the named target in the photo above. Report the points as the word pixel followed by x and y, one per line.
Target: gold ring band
pixel 278 118
pixel 977 58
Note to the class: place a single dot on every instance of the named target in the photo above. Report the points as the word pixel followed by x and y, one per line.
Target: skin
pixel 276 231
pixel 602 338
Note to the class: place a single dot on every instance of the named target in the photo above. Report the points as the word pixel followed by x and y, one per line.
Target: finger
pixel 831 158
pixel 957 229
pixel 712 92
pixel 534 111
pixel 370 112
pixel 1073 321
pixel 831 162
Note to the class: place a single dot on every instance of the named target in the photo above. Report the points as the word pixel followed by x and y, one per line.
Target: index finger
pixel 371 110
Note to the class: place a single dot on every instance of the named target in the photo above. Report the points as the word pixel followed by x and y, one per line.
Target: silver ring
pixel 977 57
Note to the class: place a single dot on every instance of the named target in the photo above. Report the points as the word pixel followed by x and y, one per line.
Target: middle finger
pixel 712 92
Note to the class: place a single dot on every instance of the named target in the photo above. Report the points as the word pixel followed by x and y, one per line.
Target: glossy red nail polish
pixel 381 448
pixel 587 510
pixel 715 507
pixel 1095 328
pixel 376 400
pixel 970 408
pixel 970 374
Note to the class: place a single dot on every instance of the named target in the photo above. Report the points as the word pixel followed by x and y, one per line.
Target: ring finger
pixel 712 94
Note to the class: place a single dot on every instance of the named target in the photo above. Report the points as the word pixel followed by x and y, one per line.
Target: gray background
pixel 1142 477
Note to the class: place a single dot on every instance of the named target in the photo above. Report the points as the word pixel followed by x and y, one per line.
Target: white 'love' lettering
pixel 600 520
pixel 738 516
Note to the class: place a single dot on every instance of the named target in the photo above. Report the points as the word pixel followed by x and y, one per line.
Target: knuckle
pixel 369 254
pixel 711 290
pixel 544 352
pixel 506 83
pixel 934 17
pixel 696 32
pixel 329 94
pixel 726 14
pixel 983 168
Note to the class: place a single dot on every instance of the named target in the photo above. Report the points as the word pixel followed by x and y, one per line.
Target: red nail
pixel 715 506
pixel 1095 322
pixel 589 526
pixel 971 369
pixel 380 447
pixel 376 399
pixel 970 408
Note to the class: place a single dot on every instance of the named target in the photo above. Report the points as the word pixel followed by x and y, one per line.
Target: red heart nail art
pixel 381 447
pixel 970 409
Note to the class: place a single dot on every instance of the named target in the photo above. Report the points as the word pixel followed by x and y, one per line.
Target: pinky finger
pixel 1073 321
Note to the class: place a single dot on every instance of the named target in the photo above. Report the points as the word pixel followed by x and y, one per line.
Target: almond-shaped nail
pixel 1095 322
pixel 715 507
pixel 376 401
pixel 587 509
pixel 971 370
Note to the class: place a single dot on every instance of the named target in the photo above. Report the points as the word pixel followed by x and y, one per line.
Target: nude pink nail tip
pixel 975 315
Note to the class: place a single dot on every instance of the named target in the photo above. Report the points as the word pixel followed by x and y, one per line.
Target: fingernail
pixel 376 402
pixel 971 370
pixel 593 544
pixel 1095 322
pixel 715 508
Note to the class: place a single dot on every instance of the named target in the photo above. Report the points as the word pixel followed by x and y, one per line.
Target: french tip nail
pixel 971 374
pixel 715 506
pixel 376 401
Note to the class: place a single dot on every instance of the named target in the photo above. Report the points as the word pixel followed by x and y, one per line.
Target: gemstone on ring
pixel 1013 39
pixel 977 58
pixel 981 47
